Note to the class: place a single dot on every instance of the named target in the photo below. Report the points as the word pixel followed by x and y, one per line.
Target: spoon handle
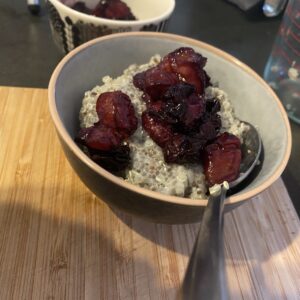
pixel 205 277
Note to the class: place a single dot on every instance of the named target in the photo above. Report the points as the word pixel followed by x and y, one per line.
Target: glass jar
pixel 282 70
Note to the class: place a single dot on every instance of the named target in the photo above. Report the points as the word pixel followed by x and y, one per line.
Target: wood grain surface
pixel 58 241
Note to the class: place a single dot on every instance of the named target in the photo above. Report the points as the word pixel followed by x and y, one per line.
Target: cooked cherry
pixel 188 65
pixel 118 10
pixel 222 159
pixel 173 113
pixel 114 160
pixel 99 137
pixel 184 64
pixel 194 110
pixel 179 91
pixel 115 110
pixel 155 82
pixel 156 106
pixel 158 130
pixel 182 106
pixel 176 148
pixel 183 149
pixel 208 131
pixel 104 141
pixel 81 7
pixel 113 9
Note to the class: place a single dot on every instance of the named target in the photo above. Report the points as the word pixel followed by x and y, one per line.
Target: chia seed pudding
pixel 148 168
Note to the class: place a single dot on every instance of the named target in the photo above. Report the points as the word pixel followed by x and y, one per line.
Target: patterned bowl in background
pixel 71 28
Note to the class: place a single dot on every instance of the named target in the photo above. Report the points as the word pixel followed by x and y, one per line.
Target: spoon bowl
pixel 251 150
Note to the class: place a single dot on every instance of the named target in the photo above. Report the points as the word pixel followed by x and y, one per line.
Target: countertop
pixel 59 241
pixel 28 55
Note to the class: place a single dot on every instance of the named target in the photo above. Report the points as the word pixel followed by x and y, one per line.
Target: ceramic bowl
pixel 253 100
pixel 71 28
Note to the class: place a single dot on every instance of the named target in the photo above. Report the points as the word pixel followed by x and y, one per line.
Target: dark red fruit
pixel 118 10
pixel 114 160
pixel 159 131
pixel 109 9
pixel 81 7
pixel 181 65
pixel 99 10
pixel 195 108
pixel 207 131
pixel 176 148
pixel 173 113
pixel 154 82
pixel 222 159
pixel 183 149
pixel 188 65
pixel 184 115
pixel 113 9
pixel 180 106
pixel 180 91
pixel 178 117
pixel 116 111
pixel 99 137
pixel 139 80
pixel 104 141
pixel 156 106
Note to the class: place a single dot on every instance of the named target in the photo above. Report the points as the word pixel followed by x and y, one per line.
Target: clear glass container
pixel 282 70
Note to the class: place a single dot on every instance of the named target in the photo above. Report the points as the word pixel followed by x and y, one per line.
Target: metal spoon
pixel 205 277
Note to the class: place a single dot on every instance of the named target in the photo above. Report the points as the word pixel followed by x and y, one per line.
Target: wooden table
pixel 58 241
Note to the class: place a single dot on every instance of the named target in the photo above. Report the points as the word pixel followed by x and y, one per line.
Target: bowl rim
pixel 120 23
pixel 243 196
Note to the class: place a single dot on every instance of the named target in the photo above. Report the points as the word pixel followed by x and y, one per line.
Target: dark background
pixel 28 55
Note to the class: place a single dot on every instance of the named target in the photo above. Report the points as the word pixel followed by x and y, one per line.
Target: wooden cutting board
pixel 58 241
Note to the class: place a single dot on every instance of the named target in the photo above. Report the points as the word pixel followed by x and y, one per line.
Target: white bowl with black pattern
pixel 71 28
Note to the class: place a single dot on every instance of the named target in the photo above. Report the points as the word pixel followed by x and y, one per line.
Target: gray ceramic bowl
pixel 252 98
